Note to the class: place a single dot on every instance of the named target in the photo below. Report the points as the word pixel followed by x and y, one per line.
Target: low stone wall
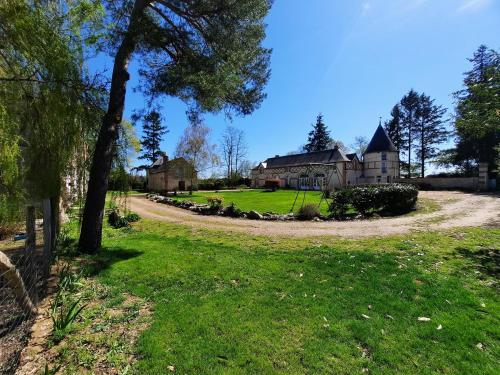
pixel 461 183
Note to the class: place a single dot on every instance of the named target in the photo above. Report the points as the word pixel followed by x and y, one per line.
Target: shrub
pixel 116 220
pixel 271 185
pixel 232 211
pixel 394 199
pixel 308 212
pixel 132 217
pixel 399 198
pixel 341 199
pixel 363 199
pixel 215 203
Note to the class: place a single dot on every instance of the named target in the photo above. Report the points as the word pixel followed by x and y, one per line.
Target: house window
pixel 388 179
pixel 379 179
pixel 384 156
pixel 304 181
pixel 384 167
pixel 319 181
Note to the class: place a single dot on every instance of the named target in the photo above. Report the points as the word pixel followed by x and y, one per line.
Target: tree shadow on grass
pixel 106 257
pixel 486 260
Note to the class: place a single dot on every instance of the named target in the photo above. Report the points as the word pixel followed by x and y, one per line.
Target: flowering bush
pixel 394 199
pixel 215 202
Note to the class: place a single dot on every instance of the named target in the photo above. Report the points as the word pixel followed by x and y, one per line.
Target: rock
pixel 423 319
pixel 317 219
pixel 254 215
pixel 365 316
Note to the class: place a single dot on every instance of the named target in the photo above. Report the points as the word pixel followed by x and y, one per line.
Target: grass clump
pixel 308 212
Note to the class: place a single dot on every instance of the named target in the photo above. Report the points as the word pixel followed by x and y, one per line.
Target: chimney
pixel 164 156
pixel 276 156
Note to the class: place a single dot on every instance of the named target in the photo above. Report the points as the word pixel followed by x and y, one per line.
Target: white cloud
pixel 470 5
pixel 365 7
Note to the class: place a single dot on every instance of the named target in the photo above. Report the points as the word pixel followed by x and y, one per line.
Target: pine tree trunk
pixel 91 232
pixel 422 153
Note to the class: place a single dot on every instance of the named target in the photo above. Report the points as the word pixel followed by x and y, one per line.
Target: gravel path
pixel 458 209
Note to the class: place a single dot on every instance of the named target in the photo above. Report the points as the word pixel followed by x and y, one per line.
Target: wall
pixel 373 167
pixel 344 174
pixel 466 183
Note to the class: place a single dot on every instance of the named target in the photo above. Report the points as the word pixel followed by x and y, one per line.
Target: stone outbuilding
pixel 169 175
pixel 328 169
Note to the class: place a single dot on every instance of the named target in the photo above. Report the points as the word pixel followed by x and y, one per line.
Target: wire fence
pixel 24 269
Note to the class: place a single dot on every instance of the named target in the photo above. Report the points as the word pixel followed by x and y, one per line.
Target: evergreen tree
pixel 409 108
pixel 154 131
pixel 477 120
pixel 393 127
pixel 429 130
pixel 319 137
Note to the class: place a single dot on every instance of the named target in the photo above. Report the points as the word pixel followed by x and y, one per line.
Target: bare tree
pixel 234 149
pixel 245 168
pixel 359 146
pixel 240 152
pixel 194 146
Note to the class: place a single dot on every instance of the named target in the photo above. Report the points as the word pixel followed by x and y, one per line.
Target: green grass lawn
pixel 236 304
pixel 280 201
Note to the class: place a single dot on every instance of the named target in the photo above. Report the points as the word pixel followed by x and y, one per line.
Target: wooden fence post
pixel 30 244
pixel 30 252
pixel 47 236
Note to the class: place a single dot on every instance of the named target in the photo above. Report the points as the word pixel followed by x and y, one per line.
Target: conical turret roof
pixel 380 142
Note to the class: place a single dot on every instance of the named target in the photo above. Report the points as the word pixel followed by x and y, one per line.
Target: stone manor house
pixel 324 170
pixel 170 174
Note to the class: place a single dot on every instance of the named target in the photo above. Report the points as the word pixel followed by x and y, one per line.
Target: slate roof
pixel 317 157
pixel 380 142
pixel 351 156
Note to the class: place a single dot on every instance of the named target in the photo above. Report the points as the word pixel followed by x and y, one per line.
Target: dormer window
pixel 384 156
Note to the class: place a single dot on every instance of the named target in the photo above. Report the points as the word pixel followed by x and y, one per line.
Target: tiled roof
pixel 380 142
pixel 318 157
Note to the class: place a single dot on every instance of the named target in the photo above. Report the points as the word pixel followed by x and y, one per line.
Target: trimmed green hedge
pixel 393 199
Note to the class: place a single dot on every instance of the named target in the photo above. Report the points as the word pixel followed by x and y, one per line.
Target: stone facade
pixel 169 175
pixel 329 169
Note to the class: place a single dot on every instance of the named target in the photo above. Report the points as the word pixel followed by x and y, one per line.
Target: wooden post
pixel 30 244
pixel 47 236
pixel 30 249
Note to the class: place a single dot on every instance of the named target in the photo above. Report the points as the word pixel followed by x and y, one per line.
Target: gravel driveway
pixel 458 209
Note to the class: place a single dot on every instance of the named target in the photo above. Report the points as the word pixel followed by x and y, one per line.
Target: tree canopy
pixel 477 117
pixel 208 53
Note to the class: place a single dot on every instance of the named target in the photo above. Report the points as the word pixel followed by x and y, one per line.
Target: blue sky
pixel 350 60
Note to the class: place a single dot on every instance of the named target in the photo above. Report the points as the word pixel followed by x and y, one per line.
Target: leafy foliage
pixel 132 217
pixel 392 198
pixel 116 220
pixel 340 202
pixel 477 120
pixel 232 210
pixel 215 202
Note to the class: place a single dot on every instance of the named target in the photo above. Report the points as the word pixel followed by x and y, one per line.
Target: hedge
pixel 393 199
